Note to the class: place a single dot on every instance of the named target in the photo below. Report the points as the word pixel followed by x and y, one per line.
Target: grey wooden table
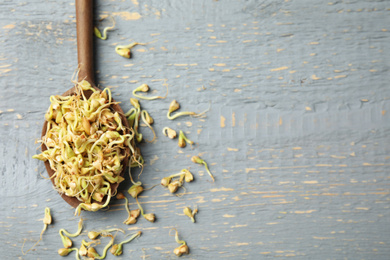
pixel 297 134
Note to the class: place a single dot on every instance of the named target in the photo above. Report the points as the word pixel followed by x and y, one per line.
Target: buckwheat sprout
pixel 149 217
pixel 145 88
pixel 175 185
pixel 175 106
pixel 183 249
pixel 77 233
pixel 167 180
pixel 124 50
pixel 99 35
pixel 188 175
pixel 95 234
pixel 47 219
pixel 136 188
pixel 106 248
pixel 169 132
pixel 66 241
pixel 148 120
pixel 66 251
pixel 130 219
pixel 117 248
pixel 190 213
pixel 136 161
pixel 183 140
pixel 198 160
pixel 93 254
pixel 83 251
pixel 97 242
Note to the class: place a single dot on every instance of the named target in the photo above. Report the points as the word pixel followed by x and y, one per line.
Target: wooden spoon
pixel 84 22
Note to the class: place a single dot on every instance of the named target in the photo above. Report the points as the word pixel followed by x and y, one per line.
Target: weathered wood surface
pixel 297 134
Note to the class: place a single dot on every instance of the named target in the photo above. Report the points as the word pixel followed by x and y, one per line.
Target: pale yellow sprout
pixel 66 251
pixel 117 248
pixel 175 106
pixel 190 213
pixel 183 140
pixel 183 248
pixel 145 88
pixel 47 219
pixel 198 160
pixel 124 50
pixel 108 28
pixel 149 217
pixel 148 120
pixel 95 234
pixel 132 218
pixel 169 132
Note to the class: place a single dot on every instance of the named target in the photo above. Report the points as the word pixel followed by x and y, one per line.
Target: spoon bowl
pixel 84 22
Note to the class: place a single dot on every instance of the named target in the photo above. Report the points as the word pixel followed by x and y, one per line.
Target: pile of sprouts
pixel 86 143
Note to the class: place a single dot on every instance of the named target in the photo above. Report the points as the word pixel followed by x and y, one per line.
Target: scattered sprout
pixel 183 248
pixel 83 251
pixel 95 255
pixel 135 213
pixel 175 106
pixel 198 160
pixel 183 140
pixel 66 240
pixel 77 233
pixel 135 190
pixel 91 252
pixel 95 234
pixel 104 36
pixel 149 217
pixel 165 181
pixel 133 117
pixel 169 132
pixel 47 219
pixel 190 213
pixel 148 120
pixel 188 177
pixel 173 186
pixel 124 50
pixel 145 88
pixel 66 251
pixel 132 218
pixel 117 248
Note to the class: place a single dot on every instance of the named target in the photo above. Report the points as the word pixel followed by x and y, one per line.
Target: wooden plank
pixel 297 134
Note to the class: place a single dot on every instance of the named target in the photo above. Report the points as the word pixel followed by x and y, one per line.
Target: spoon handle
pixel 84 23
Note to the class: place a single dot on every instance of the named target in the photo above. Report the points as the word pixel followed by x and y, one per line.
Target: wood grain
pixel 297 134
